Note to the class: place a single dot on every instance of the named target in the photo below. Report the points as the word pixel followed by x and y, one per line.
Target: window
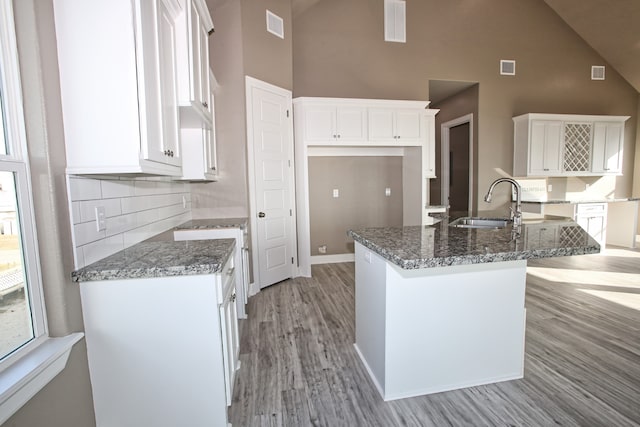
pixel 22 317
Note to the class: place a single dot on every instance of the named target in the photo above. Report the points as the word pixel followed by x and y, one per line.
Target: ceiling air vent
pixel 597 72
pixel 275 25
pixel 507 67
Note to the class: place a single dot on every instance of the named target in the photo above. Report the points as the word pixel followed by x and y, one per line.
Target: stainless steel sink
pixel 472 222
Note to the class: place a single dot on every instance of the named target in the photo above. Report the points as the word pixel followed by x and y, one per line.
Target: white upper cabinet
pixel 117 62
pixel 567 145
pixel 545 148
pixel 397 126
pixel 330 124
pixel 199 158
pixel 608 138
pixel 193 27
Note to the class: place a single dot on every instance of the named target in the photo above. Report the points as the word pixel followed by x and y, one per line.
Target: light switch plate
pixel 101 218
pixel 336 192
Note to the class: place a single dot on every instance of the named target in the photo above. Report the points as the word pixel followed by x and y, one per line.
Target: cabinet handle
pixel 213 168
pixel 338 136
pixel 261 215
pixel 233 297
pixel 335 136
pixel 205 104
pixel 606 169
pixel 545 169
pixel 230 271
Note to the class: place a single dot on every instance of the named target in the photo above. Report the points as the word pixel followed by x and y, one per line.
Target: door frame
pixel 251 83
pixel 445 129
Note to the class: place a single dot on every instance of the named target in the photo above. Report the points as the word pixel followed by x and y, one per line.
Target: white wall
pixel 136 209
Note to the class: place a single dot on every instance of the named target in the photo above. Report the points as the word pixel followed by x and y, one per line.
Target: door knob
pixel 260 214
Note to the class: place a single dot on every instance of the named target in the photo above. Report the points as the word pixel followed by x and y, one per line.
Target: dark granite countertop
pixel 440 245
pixel 160 258
pixel 203 224
pixel 575 202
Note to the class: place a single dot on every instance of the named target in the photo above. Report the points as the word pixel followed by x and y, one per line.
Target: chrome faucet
pixel 516 216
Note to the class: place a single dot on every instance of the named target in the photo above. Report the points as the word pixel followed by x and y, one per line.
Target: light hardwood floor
pixel 582 363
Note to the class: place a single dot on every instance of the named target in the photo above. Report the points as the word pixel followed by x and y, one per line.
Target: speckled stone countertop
pixel 440 245
pixel 575 202
pixel 160 258
pixel 203 224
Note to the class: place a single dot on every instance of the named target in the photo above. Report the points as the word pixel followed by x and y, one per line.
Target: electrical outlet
pixel 101 218
pixel 322 249
pixel 336 193
pixel 387 192
pixel 549 188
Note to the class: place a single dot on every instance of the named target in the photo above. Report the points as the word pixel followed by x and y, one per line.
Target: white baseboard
pixel 332 259
pixel 253 289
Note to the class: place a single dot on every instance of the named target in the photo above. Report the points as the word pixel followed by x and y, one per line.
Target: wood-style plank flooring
pixel 582 363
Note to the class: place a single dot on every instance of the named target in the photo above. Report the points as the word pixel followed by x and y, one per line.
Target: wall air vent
pixel 597 72
pixel 507 67
pixel 275 24
pixel 395 21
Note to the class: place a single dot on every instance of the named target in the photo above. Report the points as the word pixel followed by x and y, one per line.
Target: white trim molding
pixel 332 259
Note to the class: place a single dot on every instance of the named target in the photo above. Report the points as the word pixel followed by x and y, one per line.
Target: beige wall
pixel 361 182
pixel 266 56
pixel 66 400
pixel 339 51
pixel 240 46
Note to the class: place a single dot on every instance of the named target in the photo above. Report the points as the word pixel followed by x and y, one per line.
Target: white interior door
pixel 270 135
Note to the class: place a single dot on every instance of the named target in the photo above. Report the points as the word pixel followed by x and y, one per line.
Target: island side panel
pixel 453 327
pixel 370 313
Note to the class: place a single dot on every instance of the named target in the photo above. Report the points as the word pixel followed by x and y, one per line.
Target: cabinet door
pixel 408 126
pixel 211 148
pixel 381 125
pixel 577 147
pixel 540 237
pixel 351 124
pixel 429 148
pixel 230 340
pixel 158 103
pixel 320 123
pixel 545 148
pixel 199 49
pixel 607 148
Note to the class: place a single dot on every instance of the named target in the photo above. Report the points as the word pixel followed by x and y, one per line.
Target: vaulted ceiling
pixel 611 28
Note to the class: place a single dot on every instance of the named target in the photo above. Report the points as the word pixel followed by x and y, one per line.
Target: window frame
pixel 16 161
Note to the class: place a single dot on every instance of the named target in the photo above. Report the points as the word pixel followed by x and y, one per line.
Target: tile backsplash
pixel 135 209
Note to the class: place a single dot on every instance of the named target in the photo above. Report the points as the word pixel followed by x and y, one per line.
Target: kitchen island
pixel 440 308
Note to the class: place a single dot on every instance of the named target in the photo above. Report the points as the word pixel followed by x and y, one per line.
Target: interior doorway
pixel 457 165
pixel 271 182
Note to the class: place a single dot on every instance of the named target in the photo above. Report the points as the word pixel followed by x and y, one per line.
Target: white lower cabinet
pixel 162 351
pixel 241 255
pixel 593 218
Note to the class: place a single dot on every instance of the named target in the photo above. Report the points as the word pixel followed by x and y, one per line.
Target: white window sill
pixel 27 376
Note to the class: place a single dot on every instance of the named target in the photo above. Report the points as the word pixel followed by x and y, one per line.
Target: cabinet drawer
pixel 591 208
